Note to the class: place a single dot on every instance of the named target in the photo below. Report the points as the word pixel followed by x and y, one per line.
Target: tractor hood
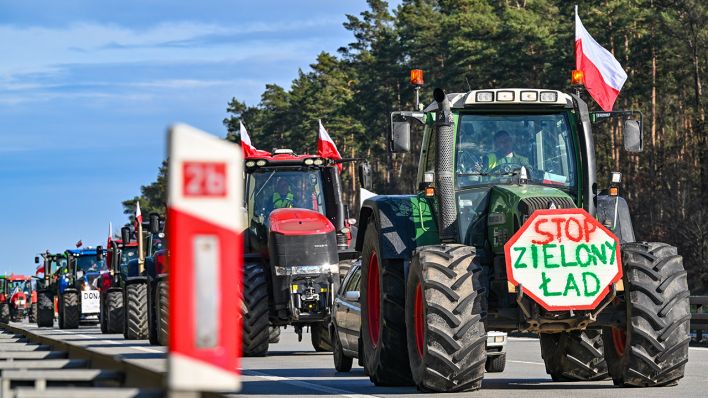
pixel 511 205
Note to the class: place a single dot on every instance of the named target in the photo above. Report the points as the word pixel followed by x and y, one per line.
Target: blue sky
pixel 87 89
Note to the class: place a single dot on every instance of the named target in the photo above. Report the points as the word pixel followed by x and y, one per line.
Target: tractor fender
pixel 404 222
pixel 606 215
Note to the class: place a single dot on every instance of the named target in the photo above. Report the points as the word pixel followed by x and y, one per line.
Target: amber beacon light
pixel 417 77
pixel 577 77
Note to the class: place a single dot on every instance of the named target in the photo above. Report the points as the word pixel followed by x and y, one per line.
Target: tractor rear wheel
pixel 255 320
pixel 45 309
pixel 321 340
pixel 574 356
pixel 102 315
pixel 273 334
pixel 382 317
pixel 136 305
pixel 5 313
pixel 445 311
pixel 161 312
pixel 71 310
pixel 115 312
pixel 652 349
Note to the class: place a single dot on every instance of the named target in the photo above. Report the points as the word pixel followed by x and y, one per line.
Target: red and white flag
pixel 79 243
pixel 138 213
pixel 326 147
pixel 604 76
pixel 248 149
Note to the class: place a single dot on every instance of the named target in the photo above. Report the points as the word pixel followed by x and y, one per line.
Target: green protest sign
pixel 564 259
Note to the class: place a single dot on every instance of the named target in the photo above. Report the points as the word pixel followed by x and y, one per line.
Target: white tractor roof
pixel 504 96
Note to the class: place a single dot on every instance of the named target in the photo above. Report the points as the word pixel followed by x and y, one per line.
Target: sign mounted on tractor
pixel 564 259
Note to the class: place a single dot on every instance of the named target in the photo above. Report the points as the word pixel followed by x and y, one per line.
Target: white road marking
pixel 145 349
pixel 304 384
pixel 528 363
pixel 698 348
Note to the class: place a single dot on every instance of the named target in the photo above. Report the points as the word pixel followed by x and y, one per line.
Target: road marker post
pixel 205 251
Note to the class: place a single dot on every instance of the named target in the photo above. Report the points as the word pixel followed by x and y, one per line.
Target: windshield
pixel 491 149
pixel 19 286
pixel 269 189
pixel 89 263
pixel 128 253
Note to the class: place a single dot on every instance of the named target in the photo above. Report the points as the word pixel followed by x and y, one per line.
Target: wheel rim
pixel 373 302
pixel 419 320
pixel 619 339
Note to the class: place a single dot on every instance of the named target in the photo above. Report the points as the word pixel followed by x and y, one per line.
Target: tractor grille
pixel 529 205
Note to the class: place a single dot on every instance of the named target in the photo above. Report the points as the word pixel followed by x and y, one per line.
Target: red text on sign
pixel 562 228
pixel 204 179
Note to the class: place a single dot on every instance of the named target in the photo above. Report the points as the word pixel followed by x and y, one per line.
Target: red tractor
pixel 17 291
pixel 298 235
pixel 118 254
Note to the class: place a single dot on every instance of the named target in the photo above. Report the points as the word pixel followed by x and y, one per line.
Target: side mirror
pixel 99 252
pixel 400 137
pixel 125 235
pixel 154 223
pixel 632 134
pixel 365 176
pixel 36 259
pixel 352 295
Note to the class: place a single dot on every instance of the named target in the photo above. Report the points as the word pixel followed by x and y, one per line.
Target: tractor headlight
pixel 319 162
pixel 549 96
pixel 484 96
pixel 261 163
pixel 250 163
pixel 309 162
pixel 307 269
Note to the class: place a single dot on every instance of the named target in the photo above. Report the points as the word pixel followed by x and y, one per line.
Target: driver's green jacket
pixel 280 202
pixel 493 161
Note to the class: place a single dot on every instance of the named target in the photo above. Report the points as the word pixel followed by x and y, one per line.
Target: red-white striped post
pixel 205 191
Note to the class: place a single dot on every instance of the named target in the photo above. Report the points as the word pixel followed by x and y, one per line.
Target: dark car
pixel 346 321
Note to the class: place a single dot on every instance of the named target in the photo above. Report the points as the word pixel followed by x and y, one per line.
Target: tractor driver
pixel 283 196
pixel 503 152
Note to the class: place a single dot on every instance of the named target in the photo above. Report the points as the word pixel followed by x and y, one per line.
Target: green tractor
pixel 437 273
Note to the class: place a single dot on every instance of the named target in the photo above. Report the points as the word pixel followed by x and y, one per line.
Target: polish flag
pixel 248 149
pixel 604 76
pixel 138 213
pixel 326 148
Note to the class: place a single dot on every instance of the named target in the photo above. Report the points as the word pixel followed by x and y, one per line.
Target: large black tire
pixel 574 356
pixel 5 313
pixel 495 363
pixel 161 312
pixel 136 305
pixel 103 314
pixel 273 334
pixel 152 313
pixel 71 310
pixel 653 349
pixel 115 312
pixel 321 340
pixel 33 313
pixel 255 320
pixel 445 312
pixel 45 309
pixel 342 363
pixel 384 345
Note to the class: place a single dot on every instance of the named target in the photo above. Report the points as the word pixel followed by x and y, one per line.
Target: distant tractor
pixel 139 281
pixel 53 264
pixel 4 300
pixel 297 235
pixel 76 287
pixel 118 254
pixel 18 291
pixel 509 231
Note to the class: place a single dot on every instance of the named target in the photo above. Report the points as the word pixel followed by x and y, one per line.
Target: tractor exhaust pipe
pixel 444 189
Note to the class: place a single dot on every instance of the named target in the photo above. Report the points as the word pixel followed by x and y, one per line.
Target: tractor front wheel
pixel 273 334
pixel 136 305
pixel 652 349
pixel 161 311
pixel 445 311
pixel 382 315
pixel 45 309
pixel 33 313
pixel 70 310
pixel 574 356
pixel 103 315
pixel 115 312
pixel 255 319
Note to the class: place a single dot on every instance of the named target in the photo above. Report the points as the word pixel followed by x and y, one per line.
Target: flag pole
pixel 578 91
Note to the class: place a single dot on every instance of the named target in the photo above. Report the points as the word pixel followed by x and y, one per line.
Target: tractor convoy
pixel 508 231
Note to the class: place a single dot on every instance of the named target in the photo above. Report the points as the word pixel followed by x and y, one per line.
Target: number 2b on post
pixel 204 179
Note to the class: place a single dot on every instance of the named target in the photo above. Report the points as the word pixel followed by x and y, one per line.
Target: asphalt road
pixel 293 368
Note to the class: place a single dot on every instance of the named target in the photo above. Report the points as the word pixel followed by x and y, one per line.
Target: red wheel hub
pixel 619 340
pixel 373 301
pixel 419 320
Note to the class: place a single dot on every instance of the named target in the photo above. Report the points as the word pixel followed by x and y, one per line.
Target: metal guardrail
pixel 699 315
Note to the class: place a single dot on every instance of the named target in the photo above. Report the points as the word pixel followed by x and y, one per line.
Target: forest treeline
pixel 474 44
